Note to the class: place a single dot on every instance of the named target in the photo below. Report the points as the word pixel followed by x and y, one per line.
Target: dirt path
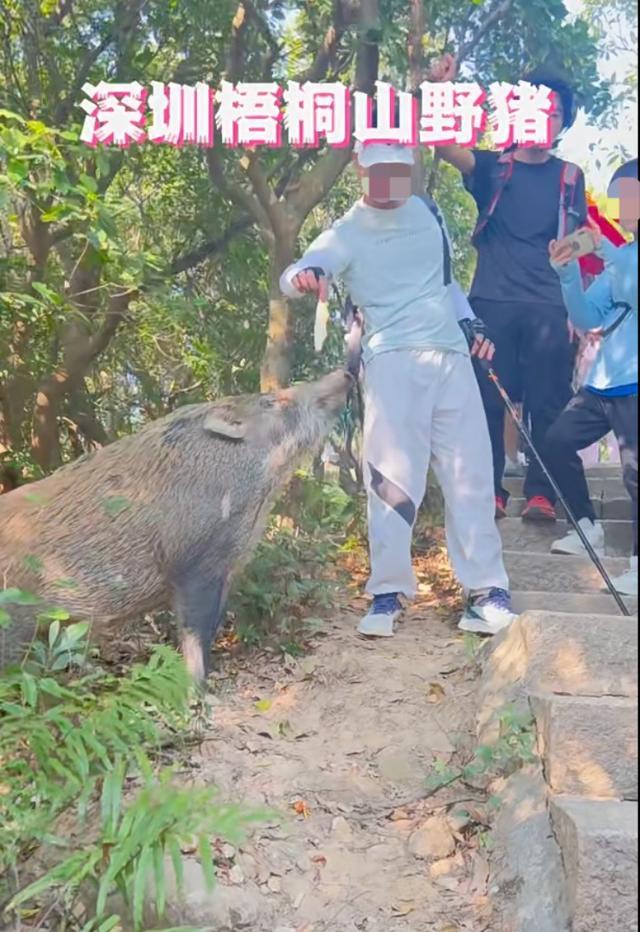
pixel 341 742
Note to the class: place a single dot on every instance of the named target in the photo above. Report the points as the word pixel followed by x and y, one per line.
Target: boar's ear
pixel 231 429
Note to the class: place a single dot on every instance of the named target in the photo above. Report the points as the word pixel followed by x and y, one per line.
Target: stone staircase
pixel 566 839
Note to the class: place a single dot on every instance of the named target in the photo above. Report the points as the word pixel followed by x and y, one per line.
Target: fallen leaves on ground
pixel 301 808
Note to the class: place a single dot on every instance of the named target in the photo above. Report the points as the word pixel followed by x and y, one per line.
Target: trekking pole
pixel 511 408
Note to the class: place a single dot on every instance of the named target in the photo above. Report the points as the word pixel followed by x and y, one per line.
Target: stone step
pixel 617 509
pixel 537 537
pixel 599 844
pixel 589 745
pixel 604 469
pixel 554 573
pixel 576 603
pixel 555 652
pixel 606 487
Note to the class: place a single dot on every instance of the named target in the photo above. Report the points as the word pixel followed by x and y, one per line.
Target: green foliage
pixel 65 646
pixel 295 574
pixel 79 225
pixel 72 735
pixel 514 748
pixel 134 843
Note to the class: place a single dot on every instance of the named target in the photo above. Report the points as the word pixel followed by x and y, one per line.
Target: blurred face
pixel 623 202
pixel 556 119
pixel 385 183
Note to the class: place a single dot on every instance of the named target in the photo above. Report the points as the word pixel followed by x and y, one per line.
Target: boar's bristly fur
pixel 163 517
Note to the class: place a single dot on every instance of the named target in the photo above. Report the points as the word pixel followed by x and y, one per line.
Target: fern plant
pixel 133 846
pixel 71 737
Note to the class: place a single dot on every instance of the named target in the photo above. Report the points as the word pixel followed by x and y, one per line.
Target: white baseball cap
pixel 377 153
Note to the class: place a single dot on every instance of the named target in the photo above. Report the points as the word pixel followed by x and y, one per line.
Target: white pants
pixel 423 407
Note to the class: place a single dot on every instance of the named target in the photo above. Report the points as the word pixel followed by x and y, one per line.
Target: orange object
pixel 591 265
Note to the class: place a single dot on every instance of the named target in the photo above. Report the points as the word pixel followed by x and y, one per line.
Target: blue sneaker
pixel 381 617
pixel 487 611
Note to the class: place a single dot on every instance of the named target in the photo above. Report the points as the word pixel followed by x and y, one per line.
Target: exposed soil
pixel 340 743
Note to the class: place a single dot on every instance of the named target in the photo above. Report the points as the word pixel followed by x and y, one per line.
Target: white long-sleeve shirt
pixel 395 264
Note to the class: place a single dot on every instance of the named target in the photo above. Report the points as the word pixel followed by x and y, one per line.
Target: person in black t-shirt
pixel 514 290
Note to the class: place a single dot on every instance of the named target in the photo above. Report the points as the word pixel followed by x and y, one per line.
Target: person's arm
pixel 587 309
pixel 446 69
pixel 462 159
pixel 461 305
pixel 325 258
pixel 476 334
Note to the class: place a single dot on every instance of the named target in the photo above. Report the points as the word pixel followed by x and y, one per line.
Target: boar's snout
pixel 331 391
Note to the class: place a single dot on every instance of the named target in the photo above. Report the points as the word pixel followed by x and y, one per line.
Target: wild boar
pixel 163 517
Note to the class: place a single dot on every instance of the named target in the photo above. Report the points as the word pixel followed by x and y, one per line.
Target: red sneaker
pixel 539 508
pixel 501 507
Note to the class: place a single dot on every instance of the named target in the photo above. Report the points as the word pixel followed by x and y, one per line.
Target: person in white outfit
pixel 422 402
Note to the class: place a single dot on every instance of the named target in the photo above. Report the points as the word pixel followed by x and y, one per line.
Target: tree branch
pixel 66 105
pixel 114 316
pixel 53 21
pixel 315 183
pixel 414 44
pixel 80 412
pixel 235 56
pixel 211 248
pixel 487 23
pixel 273 208
pixel 416 76
pixel 234 192
pixel 263 28
pixel 125 22
pixel 80 353
pixel 325 56
pixel 243 221
pixel 465 50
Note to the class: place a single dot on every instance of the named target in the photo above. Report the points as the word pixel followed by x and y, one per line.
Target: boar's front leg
pixel 199 601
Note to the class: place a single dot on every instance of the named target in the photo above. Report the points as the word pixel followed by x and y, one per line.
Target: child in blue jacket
pixel 609 399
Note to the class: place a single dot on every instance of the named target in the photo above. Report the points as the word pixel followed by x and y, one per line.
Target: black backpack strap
pixel 627 309
pixel 446 243
pixel 502 176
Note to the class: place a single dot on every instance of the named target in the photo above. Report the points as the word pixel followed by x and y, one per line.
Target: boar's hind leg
pixel 199 601
pixel 16 639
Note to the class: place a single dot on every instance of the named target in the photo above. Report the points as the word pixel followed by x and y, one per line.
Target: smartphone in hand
pixel 578 244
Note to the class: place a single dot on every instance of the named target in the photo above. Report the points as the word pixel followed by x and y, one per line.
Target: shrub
pixel 73 736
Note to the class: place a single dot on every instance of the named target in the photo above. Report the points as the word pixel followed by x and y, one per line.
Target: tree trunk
pixel 276 363
pixel 416 77
pixel 81 349
pixel 17 392
pixel 45 446
pixel 81 412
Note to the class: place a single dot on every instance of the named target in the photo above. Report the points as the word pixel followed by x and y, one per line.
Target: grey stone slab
pixel 589 745
pixel 607 487
pixel 555 652
pixel 617 508
pixel 527 877
pixel 553 573
pixel 599 844
pixel 538 537
pixel 576 603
